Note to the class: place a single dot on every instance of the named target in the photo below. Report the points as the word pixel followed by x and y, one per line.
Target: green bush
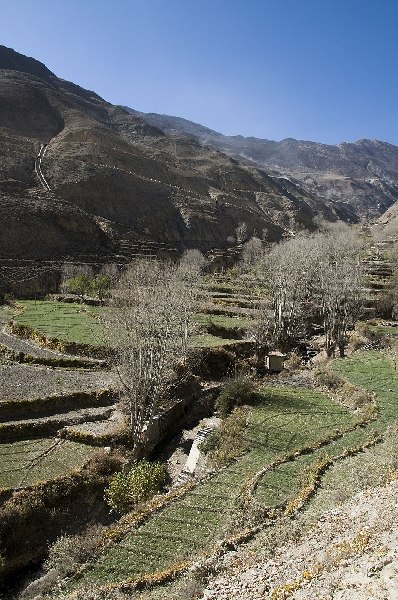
pixel 236 393
pixel 142 482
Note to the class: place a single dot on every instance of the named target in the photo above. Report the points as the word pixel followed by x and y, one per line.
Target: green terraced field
pixel 62 320
pixel 221 320
pixel 76 323
pixel 376 373
pixel 28 461
pixel 282 421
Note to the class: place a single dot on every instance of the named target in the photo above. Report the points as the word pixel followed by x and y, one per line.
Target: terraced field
pixel 65 321
pixel 282 421
pixel 32 397
pixel 303 436
pixel 37 401
pixel 27 461
pixel 79 323
pixel 294 436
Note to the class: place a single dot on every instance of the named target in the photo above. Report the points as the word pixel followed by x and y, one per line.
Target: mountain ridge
pixel 120 184
pixel 370 167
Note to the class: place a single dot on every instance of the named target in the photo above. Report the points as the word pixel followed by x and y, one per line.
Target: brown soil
pixel 18 382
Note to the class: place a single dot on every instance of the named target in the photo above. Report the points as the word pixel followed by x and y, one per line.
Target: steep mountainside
pixel 80 176
pixel 363 174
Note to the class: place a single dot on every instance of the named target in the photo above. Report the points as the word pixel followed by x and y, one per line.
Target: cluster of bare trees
pixel 310 278
pixel 313 278
pixel 147 326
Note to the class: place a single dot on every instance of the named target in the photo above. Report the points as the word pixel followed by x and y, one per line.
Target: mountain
pixel 81 177
pixel 363 174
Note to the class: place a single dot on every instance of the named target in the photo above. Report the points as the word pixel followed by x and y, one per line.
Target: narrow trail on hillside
pixel 38 171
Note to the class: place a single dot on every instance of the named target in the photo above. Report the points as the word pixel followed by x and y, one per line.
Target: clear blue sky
pixel 321 70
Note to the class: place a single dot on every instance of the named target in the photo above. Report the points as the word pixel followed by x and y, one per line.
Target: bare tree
pixel 193 262
pixel 287 274
pixel 252 252
pixel 147 325
pixel 337 284
pixel 310 277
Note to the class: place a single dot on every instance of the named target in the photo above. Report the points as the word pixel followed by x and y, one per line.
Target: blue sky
pixel 320 70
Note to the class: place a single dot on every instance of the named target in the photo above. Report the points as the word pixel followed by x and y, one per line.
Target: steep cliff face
pixel 81 176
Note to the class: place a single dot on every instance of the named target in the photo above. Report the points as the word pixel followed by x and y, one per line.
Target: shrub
pixel 294 361
pixel 355 397
pixel 79 285
pixel 142 482
pixel 236 393
pixel 364 329
pixel 70 551
pixel 327 378
pixel 104 463
pixel 227 442
pixel 356 342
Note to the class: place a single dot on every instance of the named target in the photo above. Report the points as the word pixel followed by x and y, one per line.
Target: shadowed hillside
pixel 80 176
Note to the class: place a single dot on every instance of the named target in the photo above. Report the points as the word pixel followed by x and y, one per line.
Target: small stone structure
pixel 275 361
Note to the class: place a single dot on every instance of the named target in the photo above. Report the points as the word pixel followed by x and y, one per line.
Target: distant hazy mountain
pixel 363 174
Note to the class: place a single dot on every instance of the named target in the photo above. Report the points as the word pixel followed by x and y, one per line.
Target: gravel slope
pixel 350 554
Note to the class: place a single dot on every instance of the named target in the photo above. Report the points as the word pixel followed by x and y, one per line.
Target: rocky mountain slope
pixel 363 175
pixel 80 177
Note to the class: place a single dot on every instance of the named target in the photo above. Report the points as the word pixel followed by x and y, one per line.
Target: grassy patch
pixel 61 320
pixel 76 323
pixel 374 372
pixel 384 329
pixel 281 421
pixel 287 418
pixel 38 459
pixel 220 320
pixel 356 473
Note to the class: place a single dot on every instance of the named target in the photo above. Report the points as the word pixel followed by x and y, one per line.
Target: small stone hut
pixel 275 361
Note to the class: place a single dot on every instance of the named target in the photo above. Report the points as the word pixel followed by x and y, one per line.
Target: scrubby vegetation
pixel 142 481
pixel 235 393
pixel 227 441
